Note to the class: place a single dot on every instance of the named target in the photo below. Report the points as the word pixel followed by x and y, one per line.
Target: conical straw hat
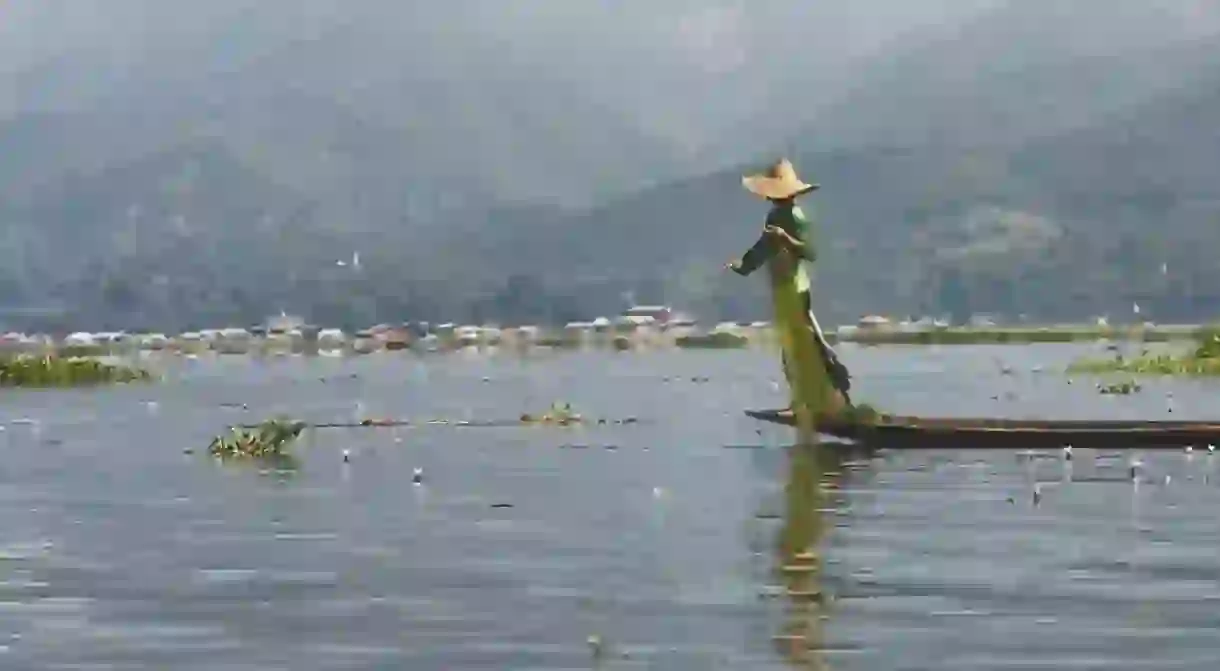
pixel 779 182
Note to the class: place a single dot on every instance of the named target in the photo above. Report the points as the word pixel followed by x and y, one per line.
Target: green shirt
pixel 767 250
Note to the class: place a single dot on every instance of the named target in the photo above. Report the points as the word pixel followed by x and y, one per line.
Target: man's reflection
pixel 812 470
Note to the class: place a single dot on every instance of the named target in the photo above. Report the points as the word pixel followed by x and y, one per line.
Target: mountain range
pixel 1032 158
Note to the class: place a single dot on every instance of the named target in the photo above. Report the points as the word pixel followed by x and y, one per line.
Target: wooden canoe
pixel 905 432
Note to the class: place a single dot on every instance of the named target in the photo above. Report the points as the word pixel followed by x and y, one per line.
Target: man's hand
pixel 777 232
pixel 734 265
pixel 784 238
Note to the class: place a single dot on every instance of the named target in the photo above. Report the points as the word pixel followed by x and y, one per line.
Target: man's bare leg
pixel 829 357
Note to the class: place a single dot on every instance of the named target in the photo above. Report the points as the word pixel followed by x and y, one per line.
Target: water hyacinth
pixel 560 414
pixel 268 440
pixel 1119 388
pixel 1209 346
pixel 1204 359
pixel 862 414
pixel 1000 335
pixel 56 371
pixel 718 340
pixel 70 351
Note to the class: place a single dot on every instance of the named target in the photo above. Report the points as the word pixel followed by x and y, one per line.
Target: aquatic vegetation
pixel 69 351
pixel 369 421
pixel 48 371
pixel 1203 359
pixel 1119 388
pixel 862 413
pixel 560 414
pixel 557 342
pixel 268 440
pixel 719 340
pixel 1208 344
pixel 1011 336
pixel 1164 364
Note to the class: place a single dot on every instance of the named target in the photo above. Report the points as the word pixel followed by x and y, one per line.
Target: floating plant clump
pixel 560 414
pixel 862 414
pixel 1204 359
pixel 56 371
pixel 717 340
pixel 1208 346
pixel 268 440
pixel 1119 388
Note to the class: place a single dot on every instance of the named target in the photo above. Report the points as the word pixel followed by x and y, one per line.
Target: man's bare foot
pixel 837 405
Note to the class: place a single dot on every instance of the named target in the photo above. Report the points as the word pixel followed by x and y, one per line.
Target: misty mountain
pixel 550 101
pixel 498 137
pixel 1077 223
pixel 170 165
pixel 1021 71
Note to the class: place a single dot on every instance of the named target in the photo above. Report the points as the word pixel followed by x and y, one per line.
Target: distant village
pixel 638 326
pixel 291 333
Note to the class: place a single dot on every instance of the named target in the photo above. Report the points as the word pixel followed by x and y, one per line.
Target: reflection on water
pixel 119 551
pixel 813 473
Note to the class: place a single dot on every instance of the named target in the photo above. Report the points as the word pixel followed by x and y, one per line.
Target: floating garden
pixel 54 371
pixel 1203 359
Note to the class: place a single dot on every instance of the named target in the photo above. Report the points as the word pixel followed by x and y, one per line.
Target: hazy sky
pixel 612 40
pixel 710 79
pixel 704 33
pixel 688 69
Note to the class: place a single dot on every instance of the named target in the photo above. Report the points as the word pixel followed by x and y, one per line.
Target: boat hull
pixel 904 432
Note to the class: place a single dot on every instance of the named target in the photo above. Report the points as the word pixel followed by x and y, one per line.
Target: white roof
pixel 726 326
pixel 648 308
pixel 636 319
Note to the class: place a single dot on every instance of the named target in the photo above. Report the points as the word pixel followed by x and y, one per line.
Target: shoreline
pixel 644 340
pixel 1021 335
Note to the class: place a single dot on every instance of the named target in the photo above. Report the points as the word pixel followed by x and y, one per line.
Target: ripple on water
pixel 119 552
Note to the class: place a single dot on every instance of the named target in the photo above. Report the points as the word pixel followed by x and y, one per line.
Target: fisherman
pixel 783 245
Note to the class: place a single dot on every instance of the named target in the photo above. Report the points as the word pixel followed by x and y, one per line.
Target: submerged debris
pixel 269 439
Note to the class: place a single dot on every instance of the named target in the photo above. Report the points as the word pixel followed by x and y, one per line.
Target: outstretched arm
pixel 754 257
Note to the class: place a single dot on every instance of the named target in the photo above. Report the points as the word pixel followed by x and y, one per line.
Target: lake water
pixel 692 539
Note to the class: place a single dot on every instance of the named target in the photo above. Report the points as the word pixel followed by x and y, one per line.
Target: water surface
pixel 691 540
